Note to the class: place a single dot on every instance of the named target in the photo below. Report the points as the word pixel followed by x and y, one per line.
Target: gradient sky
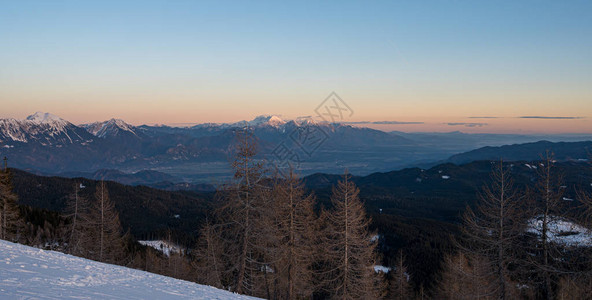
pixel 440 63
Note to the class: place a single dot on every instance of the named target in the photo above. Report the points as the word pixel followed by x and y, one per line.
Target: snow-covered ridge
pixel 111 127
pixel 259 121
pixel 50 130
pixel 31 273
pixel 44 128
pixel 274 121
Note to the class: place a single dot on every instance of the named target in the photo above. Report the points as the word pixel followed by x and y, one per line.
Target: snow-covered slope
pixel 113 127
pixel 43 128
pixel 31 273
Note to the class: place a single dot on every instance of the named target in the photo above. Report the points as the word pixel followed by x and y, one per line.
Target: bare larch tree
pixel 208 256
pixel 11 223
pixel 240 216
pixel 466 277
pixel 492 229
pixel 399 287
pixel 547 208
pixel 76 210
pixel 349 251
pixel 295 225
pixel 103 239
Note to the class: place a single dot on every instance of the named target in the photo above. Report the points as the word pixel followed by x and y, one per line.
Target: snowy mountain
pixel 44 129
pixel 261 121
pixel 111 128
pixel 31 273
pixel 46 143
pixel 49 144
pixel 258 122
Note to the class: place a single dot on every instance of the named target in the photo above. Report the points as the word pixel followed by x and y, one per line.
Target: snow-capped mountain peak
pixel 271 120
pixel 45 118
pixel 303 121
pixel 43 128
pixel 263 120
pixel 111 127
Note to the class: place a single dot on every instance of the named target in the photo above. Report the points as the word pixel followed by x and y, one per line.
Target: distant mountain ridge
pixel 46 143
pixel 527 151
pixel 145 177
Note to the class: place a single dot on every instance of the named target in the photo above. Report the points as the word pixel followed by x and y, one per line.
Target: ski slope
pixel 31 273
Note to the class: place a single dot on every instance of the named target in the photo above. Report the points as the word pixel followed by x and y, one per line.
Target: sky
pixel 472 66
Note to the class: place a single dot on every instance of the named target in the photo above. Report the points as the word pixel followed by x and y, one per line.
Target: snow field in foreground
pixel 31 273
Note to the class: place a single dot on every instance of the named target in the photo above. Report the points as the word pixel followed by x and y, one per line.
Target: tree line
pixel 511 244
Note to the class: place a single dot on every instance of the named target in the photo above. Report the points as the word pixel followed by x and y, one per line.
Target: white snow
pixel 445 177
pixel 381 269
pixel 305 121
pixel 375 237
pixel 44 128
pixel 567 199
pixel 31 273
pixel 109 128
pixel 271 120
pixel 562 231
pixel 42 118
pixel 163 246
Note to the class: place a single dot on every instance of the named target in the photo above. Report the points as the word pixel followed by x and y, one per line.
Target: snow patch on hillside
pixel 163 246
pixel 31 273
pixel 562 232
pixel 381 269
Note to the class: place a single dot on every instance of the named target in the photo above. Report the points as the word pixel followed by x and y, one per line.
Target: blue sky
pixel 191 61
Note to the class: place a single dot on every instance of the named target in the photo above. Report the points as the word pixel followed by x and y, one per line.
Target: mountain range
pixel 47 144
